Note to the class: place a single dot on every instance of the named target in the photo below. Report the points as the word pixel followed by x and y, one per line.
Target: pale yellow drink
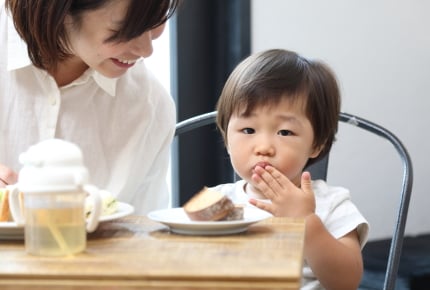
pixel 55 231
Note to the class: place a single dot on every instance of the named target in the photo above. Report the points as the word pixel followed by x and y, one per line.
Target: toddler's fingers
pixel 306 182
pixel 261 205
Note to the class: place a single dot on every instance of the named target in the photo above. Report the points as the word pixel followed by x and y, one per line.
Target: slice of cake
pixel 208 205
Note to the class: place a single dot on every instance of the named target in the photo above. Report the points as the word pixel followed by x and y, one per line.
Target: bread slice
pixel 4 205
pixel 208 205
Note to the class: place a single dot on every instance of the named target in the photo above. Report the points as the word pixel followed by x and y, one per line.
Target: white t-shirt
pixel 333 206
pixel 124 126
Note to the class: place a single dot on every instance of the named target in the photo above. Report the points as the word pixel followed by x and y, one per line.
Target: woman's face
pixel 112 59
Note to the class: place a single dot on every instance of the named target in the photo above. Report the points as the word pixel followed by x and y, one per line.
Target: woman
pixel 74 70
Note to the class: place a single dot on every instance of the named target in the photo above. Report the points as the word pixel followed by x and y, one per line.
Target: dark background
pixel 209 38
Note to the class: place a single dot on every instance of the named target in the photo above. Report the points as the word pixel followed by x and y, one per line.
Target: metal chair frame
pixel 322 166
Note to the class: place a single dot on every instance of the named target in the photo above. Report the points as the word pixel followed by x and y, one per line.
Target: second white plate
pixel 124 209
pixel 180 223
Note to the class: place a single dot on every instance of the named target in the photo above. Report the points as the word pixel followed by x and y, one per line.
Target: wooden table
pixel 137 253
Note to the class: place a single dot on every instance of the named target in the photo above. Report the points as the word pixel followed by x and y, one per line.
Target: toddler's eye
pixel 285 132
pixel 248 130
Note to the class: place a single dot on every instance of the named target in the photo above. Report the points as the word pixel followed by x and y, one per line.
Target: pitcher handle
pixel 96 211
pixel 15 204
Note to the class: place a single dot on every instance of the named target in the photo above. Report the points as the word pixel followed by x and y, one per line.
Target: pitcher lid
pixel 52 152
pixel 52 164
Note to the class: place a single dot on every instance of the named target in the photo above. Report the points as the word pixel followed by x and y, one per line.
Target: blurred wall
pixel 380 51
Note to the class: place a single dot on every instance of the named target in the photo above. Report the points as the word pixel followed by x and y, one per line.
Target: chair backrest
pixel 319 171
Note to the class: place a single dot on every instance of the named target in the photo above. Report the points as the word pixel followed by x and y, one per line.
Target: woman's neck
pixel 68 70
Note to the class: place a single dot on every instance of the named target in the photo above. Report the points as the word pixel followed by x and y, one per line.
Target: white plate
pixel 124 209
pixel 11 231
pixel 180 223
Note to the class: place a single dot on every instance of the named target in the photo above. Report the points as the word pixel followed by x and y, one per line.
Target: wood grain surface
pixel 137 253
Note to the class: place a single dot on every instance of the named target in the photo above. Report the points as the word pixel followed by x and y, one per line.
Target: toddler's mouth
pixel 262 164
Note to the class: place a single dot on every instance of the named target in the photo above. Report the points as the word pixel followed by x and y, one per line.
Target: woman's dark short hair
pixel 268 77
pixel 40 23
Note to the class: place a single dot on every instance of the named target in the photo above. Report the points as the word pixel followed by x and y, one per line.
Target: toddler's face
pixel 280 135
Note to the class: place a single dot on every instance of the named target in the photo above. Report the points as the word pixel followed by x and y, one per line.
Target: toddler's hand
pixel 287 199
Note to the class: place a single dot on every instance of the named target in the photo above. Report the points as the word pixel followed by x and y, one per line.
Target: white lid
pixel 52 165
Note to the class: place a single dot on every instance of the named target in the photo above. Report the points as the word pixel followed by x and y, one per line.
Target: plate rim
pixel 190 227
pixel 127 209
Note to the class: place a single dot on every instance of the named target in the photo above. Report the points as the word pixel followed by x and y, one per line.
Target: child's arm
pixel 337 263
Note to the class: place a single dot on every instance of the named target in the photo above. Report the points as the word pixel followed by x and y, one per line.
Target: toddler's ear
pixel 316 151
pixel 227 148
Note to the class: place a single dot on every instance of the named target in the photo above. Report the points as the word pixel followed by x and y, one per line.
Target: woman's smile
pixel 123 63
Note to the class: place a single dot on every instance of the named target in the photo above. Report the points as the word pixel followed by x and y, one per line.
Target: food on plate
pixel 109 204
pixel 211 205
pixel 235 214
pixel 4 205
pixel 5 214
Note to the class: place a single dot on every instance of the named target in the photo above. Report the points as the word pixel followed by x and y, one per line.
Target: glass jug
pixel 49 199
